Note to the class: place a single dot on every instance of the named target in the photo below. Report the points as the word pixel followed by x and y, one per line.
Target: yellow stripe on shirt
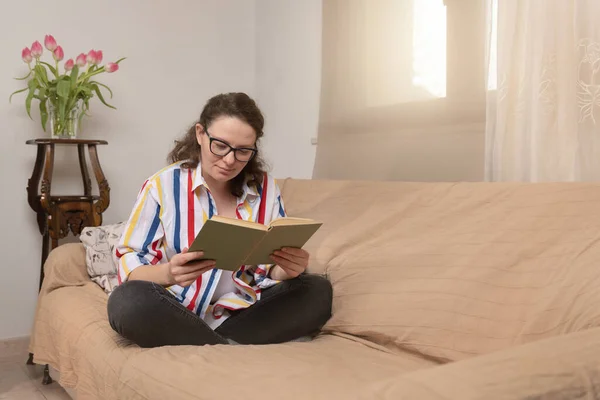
pixel 125 267
pixel 136 215
pixel 160 195
pixel 236 301
pixel 248 209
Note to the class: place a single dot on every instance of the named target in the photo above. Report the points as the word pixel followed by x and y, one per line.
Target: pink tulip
pixel 99 56
pixel 58 53
pixel 36 49
pixel 111 67
pixel 69 64
pixel 26 55
pixel 91 57
pixel 50 43
pixel 81 60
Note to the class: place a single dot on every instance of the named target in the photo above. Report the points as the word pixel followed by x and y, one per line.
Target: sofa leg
pixel 47 379
pixel 30 359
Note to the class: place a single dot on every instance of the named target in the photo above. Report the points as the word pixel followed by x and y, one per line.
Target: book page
pixel 292 221
pixel 239 222
pixel 281 236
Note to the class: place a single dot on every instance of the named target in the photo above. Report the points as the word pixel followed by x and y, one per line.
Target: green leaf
pixel 25 77
pixel 41 72
pixel 63 88
pixel 99 93
pixel 120 59
pixel 32 85
pixel 74 75
pixel 18 91
pixel 104 86
pixel 52 69
pixel 44 113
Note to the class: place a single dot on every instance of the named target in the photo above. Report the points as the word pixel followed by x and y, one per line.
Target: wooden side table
pixel 57 215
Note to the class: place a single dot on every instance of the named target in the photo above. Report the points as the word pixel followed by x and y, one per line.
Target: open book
pixel 234 242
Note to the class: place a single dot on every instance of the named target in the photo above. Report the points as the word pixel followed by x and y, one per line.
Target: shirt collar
pixel 198 180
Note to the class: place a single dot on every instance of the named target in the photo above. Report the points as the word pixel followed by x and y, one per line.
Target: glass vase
pixel 68 127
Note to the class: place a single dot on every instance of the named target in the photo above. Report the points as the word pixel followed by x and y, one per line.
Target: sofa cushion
pixel 101 259
pixel 327 368
pixel 455 270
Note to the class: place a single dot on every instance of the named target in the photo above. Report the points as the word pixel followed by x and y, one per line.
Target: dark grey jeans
pixel 150 316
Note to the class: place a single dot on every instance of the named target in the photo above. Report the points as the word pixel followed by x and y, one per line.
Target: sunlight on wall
pixel 406 53
pixel 429 46
pixel 493 63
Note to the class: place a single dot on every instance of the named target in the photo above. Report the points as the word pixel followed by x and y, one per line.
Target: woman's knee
pixel 317 284
pixel 127 303
pixel 319 294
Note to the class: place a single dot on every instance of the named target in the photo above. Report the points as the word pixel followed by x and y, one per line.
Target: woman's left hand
pixel 290 261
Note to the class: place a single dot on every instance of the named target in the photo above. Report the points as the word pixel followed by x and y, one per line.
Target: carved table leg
pixel 45 244
pixel 102 204
pixel 47 379
pixel 30 359
pixel 85 176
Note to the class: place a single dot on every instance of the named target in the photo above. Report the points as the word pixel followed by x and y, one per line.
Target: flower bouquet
pixel 63 95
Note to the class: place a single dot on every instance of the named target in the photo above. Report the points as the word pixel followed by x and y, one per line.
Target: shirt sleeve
pixel 276 211
pixel 142 240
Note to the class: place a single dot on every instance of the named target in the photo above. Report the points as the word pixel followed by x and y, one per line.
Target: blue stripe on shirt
pixel 281 211
pixel 151 233
pixel 206 291
pixel 176 197
pixel 177 230
pixel 211 210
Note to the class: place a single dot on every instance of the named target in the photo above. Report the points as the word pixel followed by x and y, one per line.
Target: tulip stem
pixel 88 75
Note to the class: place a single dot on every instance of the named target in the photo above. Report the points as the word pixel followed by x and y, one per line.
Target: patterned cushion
pixel 100 257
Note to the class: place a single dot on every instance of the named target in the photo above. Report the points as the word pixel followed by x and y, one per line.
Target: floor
pixel 19 381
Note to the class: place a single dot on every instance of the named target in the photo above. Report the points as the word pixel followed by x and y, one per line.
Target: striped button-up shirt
pixel 169 212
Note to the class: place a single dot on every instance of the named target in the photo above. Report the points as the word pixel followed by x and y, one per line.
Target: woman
pixel 167 295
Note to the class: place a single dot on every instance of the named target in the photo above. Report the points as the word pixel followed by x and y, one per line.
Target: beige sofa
pixel 441 291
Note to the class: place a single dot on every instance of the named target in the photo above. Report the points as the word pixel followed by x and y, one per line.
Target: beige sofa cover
pixel 441 291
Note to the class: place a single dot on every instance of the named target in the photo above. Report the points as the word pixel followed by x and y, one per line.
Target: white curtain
pixel 543 120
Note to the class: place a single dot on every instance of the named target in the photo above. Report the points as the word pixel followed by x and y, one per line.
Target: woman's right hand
pixel 184 268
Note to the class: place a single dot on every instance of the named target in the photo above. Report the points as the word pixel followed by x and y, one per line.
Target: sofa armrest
pixel 65 266
pixel 563 367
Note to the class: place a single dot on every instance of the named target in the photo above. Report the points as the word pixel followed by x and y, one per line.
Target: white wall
pixel 288 81
pixel 179 54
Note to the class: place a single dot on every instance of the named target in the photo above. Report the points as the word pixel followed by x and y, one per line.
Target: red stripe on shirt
pixel 143 186
pixel 190 214
pixel 159 254
pixel 263 200
pixel 198 287
pixel 192 235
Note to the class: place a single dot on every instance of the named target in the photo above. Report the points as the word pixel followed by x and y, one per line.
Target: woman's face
pixel 224 131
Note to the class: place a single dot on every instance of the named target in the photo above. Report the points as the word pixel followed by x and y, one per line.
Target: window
pixel 429 46
pixel 424 50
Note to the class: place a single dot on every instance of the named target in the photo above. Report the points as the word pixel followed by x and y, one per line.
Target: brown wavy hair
pixel 238 105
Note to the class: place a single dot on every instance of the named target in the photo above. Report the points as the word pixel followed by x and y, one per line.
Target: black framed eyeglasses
pixel 221 149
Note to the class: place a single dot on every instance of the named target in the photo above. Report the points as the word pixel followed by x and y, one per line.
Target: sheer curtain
pixel 403 90
pixel 501 90
pixel 542 121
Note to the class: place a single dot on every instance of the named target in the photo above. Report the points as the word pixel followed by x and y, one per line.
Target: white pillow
pixel 100 256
